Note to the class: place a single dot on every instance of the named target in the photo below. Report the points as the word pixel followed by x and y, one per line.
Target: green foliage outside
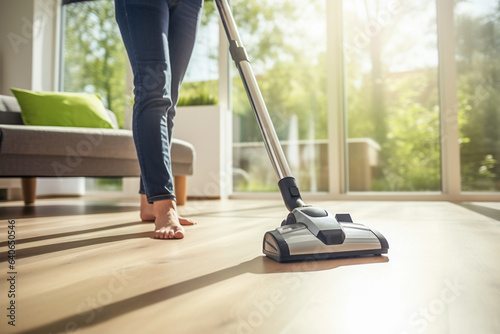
pixel 478 57
pixel 400 109
pixel 198 93
pixel 109 184
pixel 291 76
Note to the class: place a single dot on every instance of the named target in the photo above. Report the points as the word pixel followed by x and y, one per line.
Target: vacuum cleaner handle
pixel 289 190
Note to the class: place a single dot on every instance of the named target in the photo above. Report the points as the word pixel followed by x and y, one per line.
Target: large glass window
pixel 390 83
pixel 286 42
pixel 391 59
pixel 477 55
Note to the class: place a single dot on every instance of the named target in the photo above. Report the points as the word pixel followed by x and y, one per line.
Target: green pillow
pixel 62 109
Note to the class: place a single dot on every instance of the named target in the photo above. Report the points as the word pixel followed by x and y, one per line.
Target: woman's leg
pixel 145 31
pixel 144 28
pixel 183 24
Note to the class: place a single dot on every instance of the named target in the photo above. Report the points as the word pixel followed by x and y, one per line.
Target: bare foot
pixel 147 214
pixel 168 224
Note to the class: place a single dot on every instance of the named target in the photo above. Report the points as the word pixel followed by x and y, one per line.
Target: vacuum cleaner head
pixel 312 233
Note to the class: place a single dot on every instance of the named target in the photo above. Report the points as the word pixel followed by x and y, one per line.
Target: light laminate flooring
pixel 89 265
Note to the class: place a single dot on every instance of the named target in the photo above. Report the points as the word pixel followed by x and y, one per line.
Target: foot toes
pixel 169 226
pixel 159 234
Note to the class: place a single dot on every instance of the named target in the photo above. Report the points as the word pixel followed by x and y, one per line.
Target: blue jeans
pixel 159 36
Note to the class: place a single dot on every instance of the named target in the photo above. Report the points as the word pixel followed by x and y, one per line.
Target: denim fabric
pixel 159 37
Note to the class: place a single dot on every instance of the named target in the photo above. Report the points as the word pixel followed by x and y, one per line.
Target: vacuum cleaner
pixel 308 232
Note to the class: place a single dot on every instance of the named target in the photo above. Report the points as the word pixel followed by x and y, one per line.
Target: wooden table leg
pixel 180 183
pixel 29 189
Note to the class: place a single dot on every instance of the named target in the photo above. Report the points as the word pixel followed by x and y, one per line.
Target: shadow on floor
pixel 38 211
pixel 62 246
pixel 485 211
pixel 20 241
pixel 259 265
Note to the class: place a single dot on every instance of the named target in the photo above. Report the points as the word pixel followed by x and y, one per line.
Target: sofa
pixel 29 151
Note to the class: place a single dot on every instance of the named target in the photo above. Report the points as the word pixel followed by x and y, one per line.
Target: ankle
pixel 146 212
pixel 164 206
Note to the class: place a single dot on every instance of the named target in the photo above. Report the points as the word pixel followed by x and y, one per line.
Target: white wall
pixel 45 57
pixel 16 53
pixel 206 128
pixel 28 36
pixel 16 44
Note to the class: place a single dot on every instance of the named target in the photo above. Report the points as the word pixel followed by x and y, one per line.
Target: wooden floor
pixel 88 265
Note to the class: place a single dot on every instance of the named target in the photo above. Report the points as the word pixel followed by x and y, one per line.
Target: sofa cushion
pixel 67 141
pixel 62 109
pixel 112 119
pixel 9 103
pixel 15 165
pixel 10 112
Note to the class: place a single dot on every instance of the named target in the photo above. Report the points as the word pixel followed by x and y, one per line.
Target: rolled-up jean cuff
pixel 142 192
pixel 160 197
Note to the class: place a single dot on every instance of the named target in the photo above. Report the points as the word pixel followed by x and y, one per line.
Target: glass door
pixel 286 42
pixel 392 98
pixel 477 58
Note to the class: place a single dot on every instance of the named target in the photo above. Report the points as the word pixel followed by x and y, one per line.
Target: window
pixel 392 94
pixel 478 79
pixel 201 83
pixel 286 43
pixel 392 106
pixel 391 89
